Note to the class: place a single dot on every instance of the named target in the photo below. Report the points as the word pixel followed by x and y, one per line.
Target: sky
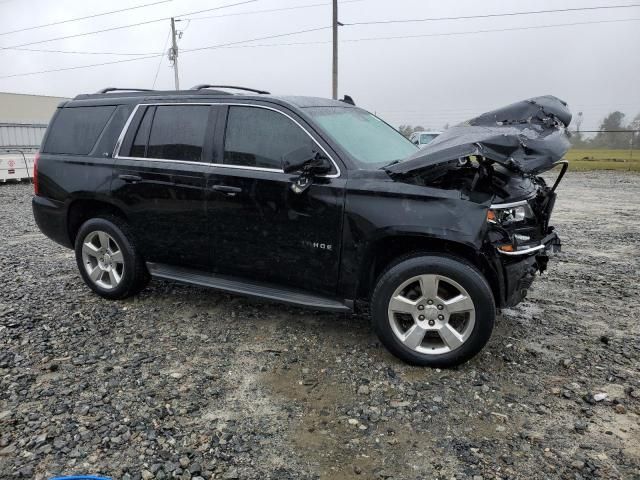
pixel 441 72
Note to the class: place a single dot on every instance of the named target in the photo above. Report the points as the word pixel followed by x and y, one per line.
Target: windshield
pixel 427 137
pixel 364 136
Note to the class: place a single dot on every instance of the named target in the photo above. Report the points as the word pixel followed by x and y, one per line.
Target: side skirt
pixel 249 288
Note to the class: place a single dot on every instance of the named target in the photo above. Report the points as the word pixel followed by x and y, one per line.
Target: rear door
pixel 262 230
pixel 160 179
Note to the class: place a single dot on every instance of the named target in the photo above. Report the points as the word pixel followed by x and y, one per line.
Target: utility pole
pixel 335 49
pixel 173 54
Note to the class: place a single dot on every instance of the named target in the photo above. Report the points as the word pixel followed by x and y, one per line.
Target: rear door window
pixel 171 132
pixel 75 130
pixel 178 132
pixel 258 137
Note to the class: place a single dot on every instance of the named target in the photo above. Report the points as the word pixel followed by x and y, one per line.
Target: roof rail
pixel 204 85
pixel 115 89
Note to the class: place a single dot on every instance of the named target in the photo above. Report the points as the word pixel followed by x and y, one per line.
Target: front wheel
pixel 108 260
pixel 433 310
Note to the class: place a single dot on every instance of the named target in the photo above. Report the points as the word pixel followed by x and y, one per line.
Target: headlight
pixel 508 213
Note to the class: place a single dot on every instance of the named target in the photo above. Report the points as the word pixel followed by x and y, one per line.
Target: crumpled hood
pixel 527 136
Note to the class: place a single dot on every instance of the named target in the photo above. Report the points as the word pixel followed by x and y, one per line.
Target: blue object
pixel 81 477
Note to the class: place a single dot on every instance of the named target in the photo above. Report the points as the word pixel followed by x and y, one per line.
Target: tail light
pixel 36 189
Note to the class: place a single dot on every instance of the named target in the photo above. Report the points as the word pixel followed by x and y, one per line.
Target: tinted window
pixel 258 137
pixel 76 130
pixel 367 138
pixel 139 146
pixel 178 132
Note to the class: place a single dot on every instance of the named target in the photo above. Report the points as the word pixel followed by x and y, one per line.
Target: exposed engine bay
pixel 496 159
pixel 527 137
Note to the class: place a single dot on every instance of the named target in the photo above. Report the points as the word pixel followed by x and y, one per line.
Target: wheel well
pixel 389 249
pixel 82 210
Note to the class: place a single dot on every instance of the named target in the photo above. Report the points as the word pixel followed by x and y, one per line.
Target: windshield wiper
pixel 390 164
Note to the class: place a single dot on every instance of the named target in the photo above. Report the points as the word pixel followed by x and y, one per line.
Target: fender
pixel 411 222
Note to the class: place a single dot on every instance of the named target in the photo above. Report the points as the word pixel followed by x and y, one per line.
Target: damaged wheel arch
pixel 385 251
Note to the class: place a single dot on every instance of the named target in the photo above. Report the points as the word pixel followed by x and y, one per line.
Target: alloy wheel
pixel 102 259
pixel 431 314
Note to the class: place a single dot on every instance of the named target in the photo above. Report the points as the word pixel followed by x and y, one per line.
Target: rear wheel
pixel 433 310
pixel 108 260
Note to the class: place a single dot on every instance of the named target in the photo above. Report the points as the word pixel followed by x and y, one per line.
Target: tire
pixel 120 273
pixel 455 323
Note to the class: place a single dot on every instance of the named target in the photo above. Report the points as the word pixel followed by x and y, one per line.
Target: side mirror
pixel 305 160
pixel 309 163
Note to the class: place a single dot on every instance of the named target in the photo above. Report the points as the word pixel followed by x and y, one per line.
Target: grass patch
pixel 596 159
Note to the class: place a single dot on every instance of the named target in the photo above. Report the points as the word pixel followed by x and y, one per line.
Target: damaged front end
pixel 496 159
pixel 519 239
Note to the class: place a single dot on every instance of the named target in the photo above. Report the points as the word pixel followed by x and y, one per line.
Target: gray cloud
pixel 427 80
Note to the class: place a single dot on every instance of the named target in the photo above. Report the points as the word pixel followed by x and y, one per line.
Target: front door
pixel 160 180
pixel 262 230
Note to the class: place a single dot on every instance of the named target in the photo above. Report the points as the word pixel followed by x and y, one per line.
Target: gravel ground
pixel 182 382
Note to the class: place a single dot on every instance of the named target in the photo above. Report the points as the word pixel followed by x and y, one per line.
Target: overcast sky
pixel 430 79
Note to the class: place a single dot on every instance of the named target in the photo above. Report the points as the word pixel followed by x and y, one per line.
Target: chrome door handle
pixel 130 178
pixel 226 189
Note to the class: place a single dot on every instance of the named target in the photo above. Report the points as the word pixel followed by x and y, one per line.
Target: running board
pixel 248 288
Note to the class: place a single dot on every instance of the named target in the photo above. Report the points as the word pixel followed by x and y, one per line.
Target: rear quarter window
pixel 75 130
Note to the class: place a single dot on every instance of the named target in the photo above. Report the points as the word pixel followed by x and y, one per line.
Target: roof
pixel 303 102
pixel 129 96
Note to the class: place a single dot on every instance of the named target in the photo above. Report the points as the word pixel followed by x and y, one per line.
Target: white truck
pixel 16 165
pixel 422 138
pixel 19 143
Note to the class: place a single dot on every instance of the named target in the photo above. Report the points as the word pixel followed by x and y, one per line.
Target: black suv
pixel 308 201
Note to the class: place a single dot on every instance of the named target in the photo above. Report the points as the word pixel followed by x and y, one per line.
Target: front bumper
pixel 519 267
pixel 550 245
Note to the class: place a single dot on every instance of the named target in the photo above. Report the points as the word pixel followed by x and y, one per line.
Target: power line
pixel 324 42
pixel 270 10
pixel 150 54
pixel 79 67
pixel 400 37
pixel 83 52
pixel 83 18
pixel 164 48
pixel 20 47
pixel 240 43
pixel 278 35
pixel 222 45
pixel 491 15
pixel 534 27
pixel 123 26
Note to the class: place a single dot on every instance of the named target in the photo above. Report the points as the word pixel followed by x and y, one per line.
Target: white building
pixel 23 121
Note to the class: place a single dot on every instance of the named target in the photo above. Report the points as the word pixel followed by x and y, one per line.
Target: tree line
pixel 407 130
pixel 614 133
